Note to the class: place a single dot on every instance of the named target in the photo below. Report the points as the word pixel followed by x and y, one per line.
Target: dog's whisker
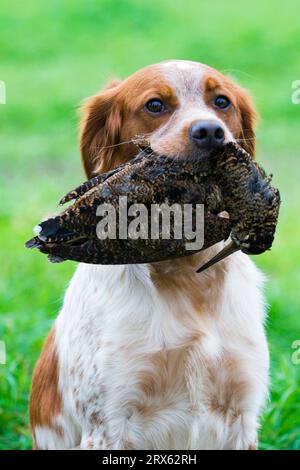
pixel 245 140
pixel 115 145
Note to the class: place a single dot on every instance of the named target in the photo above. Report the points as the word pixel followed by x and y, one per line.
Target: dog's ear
pixel 249 117
pixel 100 130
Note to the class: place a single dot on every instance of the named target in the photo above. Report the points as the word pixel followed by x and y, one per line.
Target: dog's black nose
pixel 207 134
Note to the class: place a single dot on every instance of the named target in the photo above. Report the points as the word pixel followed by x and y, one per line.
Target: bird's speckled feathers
pixel 228 181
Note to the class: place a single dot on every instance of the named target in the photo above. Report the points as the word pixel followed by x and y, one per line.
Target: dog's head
pixel 175 107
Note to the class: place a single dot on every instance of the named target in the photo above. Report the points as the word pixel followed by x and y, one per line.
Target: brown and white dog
pixel 157 356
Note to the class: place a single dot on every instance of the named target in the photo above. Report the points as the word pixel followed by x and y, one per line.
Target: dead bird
pixel 148 179
pixel 228 181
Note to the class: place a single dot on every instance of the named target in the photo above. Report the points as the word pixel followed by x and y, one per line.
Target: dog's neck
pixel 188 265
pixel 179 277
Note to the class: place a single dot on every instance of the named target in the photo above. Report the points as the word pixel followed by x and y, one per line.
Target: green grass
pixel 54 54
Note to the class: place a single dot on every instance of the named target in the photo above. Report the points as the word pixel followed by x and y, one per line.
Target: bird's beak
pixel 228 250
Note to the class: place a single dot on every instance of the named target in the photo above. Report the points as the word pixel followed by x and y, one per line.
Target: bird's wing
pixel 92 183
pixel 86 186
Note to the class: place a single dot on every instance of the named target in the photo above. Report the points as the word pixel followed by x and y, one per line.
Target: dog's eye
pixel 222 102
pixel 155 106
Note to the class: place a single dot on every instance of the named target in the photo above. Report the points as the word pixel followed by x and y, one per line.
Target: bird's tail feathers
pixel 51 230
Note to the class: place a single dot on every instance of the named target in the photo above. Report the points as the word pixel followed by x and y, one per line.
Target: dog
pixel 157 356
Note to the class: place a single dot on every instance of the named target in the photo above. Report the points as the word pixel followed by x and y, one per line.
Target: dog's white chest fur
pixel 145 370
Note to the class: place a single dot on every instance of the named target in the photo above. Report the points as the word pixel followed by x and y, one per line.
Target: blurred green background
pixel 54 54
